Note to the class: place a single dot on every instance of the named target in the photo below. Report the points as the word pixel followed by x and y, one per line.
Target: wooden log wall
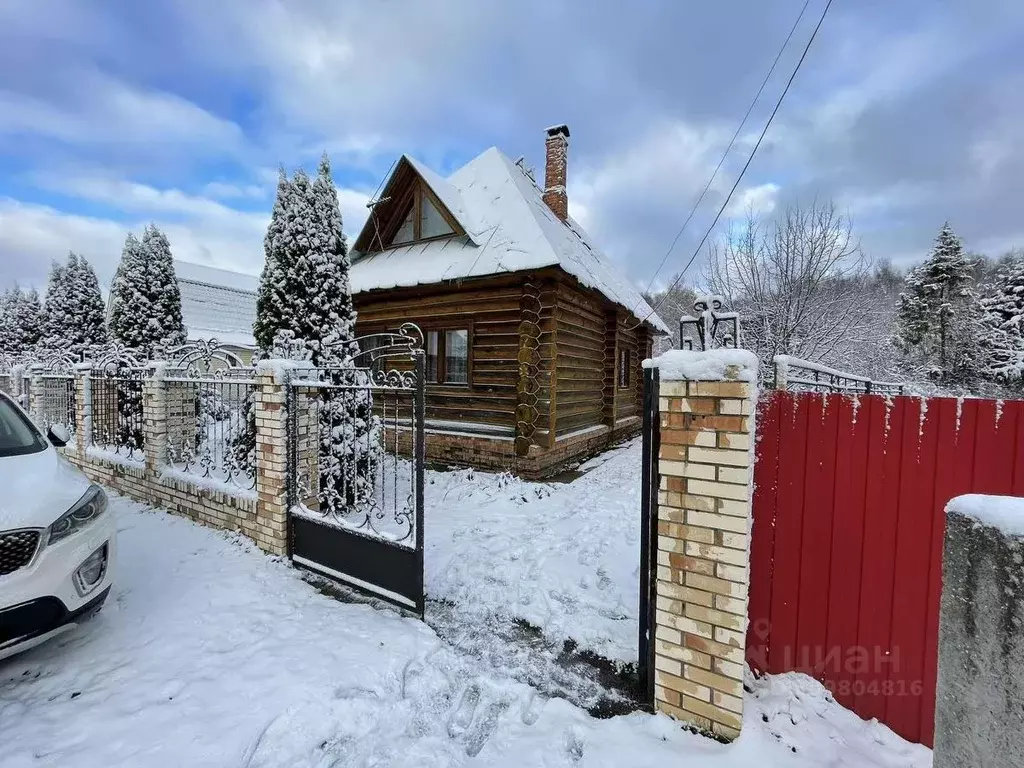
pixel 580 366
pixel 573 366
pixel 490 309
pixel 631 340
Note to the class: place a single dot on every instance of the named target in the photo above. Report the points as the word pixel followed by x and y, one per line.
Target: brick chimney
pixel 555 171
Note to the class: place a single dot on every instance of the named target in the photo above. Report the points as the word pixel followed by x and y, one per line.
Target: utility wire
pixel 750 159
pixel 728 149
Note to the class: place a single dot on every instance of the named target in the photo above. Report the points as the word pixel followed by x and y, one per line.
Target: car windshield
pixel 17 435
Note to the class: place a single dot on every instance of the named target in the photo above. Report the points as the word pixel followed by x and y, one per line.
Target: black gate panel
pixel 371 565
pixel 355 463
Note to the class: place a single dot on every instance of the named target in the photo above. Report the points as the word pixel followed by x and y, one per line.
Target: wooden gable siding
pixel 490 309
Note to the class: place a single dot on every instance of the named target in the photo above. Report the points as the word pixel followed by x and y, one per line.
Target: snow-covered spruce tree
pixel 54 323
pixel 73 315
pixel 6 323
pixel 305 290
pixel 165 322
pixel 145 297
pixel 938 313
pixel 90 326
pixel 28 316
pixel 130 302
pixel 1002 337
pixel 131 313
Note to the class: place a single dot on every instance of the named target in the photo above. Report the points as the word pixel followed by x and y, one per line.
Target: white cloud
pixel 104 111
pixel 200 229
pixel 224 190
pixel 759 200
pixel 31 236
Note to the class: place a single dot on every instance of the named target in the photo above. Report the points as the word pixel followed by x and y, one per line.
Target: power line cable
pixel 728 149
pixel 746 165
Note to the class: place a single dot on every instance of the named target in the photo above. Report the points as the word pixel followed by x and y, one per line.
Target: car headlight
pixel 92 504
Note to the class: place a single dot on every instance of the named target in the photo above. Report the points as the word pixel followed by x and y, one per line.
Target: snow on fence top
pixel 713 365
pixel 806 374
pixel 1003 512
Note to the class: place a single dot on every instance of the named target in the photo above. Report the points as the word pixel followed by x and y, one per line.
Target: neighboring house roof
pixel 216 303
pixel 509 228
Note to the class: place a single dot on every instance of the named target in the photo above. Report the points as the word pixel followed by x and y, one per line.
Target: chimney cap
pixel 555 130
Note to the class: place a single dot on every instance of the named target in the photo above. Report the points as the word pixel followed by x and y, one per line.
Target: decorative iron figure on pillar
pixel 704 328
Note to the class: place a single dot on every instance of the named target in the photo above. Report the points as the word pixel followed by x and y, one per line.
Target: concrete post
pixel 979 703
pixel 703 544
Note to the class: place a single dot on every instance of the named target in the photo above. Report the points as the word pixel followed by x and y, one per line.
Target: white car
pixel 57 539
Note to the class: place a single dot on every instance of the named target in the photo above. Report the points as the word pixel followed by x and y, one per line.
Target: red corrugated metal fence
pixel 847 540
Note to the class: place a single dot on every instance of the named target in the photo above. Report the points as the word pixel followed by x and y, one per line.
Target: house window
pixel 447 356
pixel 423 220
pixel 624 356
pixel 431 366
pixel 456 356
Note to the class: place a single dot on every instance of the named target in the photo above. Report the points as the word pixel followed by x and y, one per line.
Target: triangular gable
pixel 412 208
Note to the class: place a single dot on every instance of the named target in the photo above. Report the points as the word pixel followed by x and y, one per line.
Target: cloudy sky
pixel 114 113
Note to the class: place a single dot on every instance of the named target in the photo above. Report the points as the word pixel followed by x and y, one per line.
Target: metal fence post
pixel 420 454
pixel 648 533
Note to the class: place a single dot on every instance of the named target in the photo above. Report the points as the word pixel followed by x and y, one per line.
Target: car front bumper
pixel 41 600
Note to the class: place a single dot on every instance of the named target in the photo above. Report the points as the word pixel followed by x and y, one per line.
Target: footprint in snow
pixel 355 692
pixel 573 746
pixel 484 726
pixel 463 715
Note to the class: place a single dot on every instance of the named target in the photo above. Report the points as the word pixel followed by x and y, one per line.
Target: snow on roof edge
pixel 215 277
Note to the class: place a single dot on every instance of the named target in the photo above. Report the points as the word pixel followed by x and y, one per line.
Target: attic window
pixel 422 219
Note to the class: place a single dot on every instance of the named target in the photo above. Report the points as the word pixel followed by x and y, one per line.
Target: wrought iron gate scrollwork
pixel 355 465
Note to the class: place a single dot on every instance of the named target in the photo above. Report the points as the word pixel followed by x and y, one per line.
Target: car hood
pixel 37 488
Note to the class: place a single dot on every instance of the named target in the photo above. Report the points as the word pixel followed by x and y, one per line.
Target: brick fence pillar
pixel 272 453
pixel 18 391
pixel 703 545
pixel 83 407
pixel 154 421
pixel 36 389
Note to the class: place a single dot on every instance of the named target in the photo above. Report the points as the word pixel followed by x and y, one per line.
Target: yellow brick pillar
pixel 705 461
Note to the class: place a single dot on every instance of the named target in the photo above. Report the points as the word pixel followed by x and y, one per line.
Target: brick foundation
pixel 499 454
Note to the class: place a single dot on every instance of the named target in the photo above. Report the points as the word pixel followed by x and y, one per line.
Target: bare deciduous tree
pixel 802 286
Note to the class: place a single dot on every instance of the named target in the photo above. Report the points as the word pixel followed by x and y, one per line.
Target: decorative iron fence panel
pixel 57 401
pixel 355 469
pixel 117 413
pixel 211 422
pixel 115 404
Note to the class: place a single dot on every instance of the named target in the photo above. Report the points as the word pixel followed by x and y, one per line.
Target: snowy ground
pixel 210 654
pixel 562 556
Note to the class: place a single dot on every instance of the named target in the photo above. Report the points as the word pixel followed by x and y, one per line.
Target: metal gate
pixel 355 468
pixel 648 534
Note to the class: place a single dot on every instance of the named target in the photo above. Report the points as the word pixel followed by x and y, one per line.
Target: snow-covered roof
pixel 509 228
pixel 217 303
